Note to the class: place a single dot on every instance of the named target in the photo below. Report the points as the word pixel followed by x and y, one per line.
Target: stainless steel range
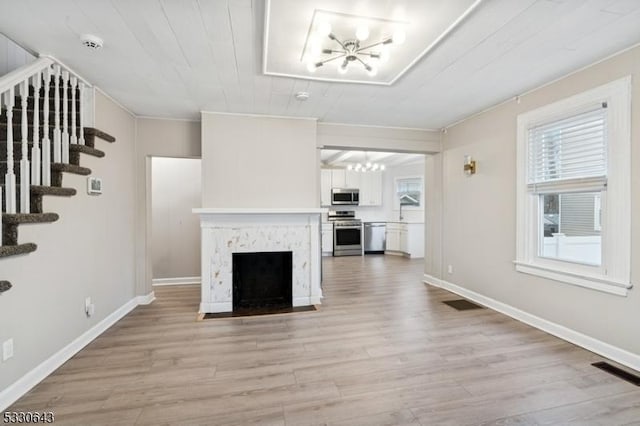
pixel 347 233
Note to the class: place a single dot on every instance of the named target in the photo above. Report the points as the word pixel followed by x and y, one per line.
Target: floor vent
pixel 618 372
pixel 462 304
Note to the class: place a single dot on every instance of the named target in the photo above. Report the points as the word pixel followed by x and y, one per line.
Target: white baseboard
pixel 146 299
pixel 48 366
pixel 176 281
pixel 604 349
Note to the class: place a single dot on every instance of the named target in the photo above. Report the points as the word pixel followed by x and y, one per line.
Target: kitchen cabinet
pixel 393 237
pixel 338 178
pixel 352 179
pixel 327 239
pixel 371 189
pixel 369 184
pixel 406 239
pixel 325 187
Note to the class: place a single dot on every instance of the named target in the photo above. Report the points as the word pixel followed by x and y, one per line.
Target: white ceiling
pixel 174 58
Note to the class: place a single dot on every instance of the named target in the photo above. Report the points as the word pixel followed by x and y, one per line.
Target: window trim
pixel 396 200
pixel 613 276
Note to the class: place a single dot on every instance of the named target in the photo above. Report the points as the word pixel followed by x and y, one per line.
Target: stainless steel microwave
pixel 345 196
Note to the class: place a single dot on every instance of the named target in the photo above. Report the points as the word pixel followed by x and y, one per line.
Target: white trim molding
pixel 592 344
pixel 176 281
pixel 15 391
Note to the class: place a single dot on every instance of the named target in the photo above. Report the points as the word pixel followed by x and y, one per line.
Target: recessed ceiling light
pixel 302 96
pixel 91 41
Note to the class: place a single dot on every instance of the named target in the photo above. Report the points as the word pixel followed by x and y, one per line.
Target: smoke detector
pixel 91 41
pixel 302 96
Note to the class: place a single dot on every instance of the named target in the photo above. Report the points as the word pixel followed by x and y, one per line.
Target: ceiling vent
pixel 91 41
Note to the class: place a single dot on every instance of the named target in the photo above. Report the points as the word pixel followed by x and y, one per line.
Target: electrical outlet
pixel 450 269
pixel 7 349
pixel 89 308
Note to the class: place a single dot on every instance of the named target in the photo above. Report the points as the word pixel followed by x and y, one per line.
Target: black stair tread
pixel 53 190
pixel 6 251
pixel 20 218
pixel 99 134
pixel 86 150
pixel 5 286
pixel 70 168
pixel 49 190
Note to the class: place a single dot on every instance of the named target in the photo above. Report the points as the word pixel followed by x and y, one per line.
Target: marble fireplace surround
pixel 228 231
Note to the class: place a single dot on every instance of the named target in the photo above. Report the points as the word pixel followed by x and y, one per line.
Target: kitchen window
pixel 409 191
pixel 573 190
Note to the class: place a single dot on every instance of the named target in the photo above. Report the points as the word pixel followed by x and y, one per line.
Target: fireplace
pixel 262 280
pixel 229 234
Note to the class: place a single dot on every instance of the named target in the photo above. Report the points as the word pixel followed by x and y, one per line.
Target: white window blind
pixel 569 151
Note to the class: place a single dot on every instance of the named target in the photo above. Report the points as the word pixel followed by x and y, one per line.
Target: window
pixel 409 191
pixel 574 202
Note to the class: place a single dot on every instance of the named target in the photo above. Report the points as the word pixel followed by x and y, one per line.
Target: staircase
pixel 42 137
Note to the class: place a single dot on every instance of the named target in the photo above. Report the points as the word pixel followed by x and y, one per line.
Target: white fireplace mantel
pixel 225 231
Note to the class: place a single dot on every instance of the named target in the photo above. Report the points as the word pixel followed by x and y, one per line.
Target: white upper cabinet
pixel 371 189
pixel 369 184
pixel 352 179
pixel 338 178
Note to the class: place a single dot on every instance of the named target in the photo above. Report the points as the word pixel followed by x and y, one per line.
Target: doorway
pixel 176 185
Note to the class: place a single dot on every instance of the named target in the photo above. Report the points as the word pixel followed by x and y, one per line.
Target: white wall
pixel 478 217
pixel 88 252
pixel 156 137
pixel 259 162
pixel 175 189
pixel 12 56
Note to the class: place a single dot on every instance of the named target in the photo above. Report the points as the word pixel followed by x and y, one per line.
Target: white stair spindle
pixel 81 127
pixel 57 134
pixel 46 143
pixel 35 148
pixel 74 136
pixel 24 160
pixel 65 117
pixel 10 177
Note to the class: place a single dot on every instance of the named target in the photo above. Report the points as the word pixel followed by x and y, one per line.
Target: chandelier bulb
pixel 311 66
pixel 362 32
pixel 399 36
pixel 372 71
pixel 323 29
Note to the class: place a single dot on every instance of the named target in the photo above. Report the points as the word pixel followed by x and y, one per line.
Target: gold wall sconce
pixel 469 165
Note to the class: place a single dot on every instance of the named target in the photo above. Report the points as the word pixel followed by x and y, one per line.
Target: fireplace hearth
pixel 262 280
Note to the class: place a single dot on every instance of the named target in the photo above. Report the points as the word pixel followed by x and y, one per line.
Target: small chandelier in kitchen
pixel 366 167
pixel 345 51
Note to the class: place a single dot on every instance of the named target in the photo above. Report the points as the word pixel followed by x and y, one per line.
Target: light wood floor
pixel 383 349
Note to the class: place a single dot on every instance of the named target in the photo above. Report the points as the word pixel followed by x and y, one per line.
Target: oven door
pixel 347 240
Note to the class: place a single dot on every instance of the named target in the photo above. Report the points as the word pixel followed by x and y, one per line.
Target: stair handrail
pixel 67 67
pixel 19 75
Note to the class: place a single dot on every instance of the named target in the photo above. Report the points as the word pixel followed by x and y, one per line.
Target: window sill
pixel 602 284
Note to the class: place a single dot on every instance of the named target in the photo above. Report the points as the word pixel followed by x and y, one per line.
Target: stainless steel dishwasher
pixel 375 239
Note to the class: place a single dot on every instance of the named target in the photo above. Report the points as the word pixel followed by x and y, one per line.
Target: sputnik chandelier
pixel 325 47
